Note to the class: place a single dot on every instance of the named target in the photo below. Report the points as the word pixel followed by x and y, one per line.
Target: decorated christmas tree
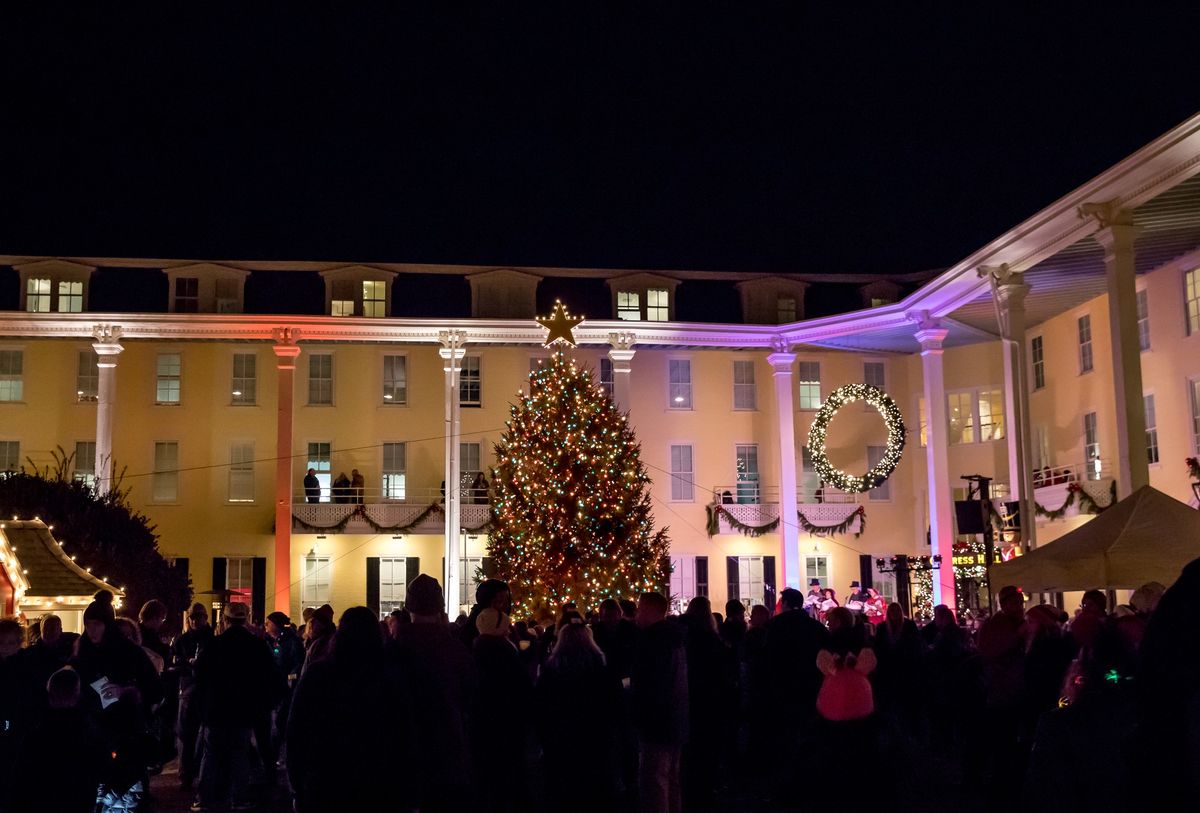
pixel 571 519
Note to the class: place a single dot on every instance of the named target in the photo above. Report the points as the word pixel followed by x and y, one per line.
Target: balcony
pixel 1071 490
pixel 754 505
pixel 419 511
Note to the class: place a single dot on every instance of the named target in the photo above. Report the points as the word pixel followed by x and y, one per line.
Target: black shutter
pixel 488 566
pixel 443 580
pixel 373 583
pixel 866 570
pixel 731 573
pixel 666 568
pixel 218 580
pixel 769 582
pixel 258 589
pixel 412 565
pixel 702 576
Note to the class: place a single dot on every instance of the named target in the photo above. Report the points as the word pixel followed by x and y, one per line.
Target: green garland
pixel 895 439
pixel 716 512
pixel 842 527
pixel 360 512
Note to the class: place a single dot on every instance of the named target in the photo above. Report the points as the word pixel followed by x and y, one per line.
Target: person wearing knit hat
pixel 493 622
pixel 318 635
pixel 98 615
pixel 424 597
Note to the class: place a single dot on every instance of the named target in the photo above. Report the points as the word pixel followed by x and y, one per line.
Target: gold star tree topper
pixel 559 325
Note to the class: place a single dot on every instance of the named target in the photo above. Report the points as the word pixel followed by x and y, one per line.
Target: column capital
pixel 931 339
pixel 622 340
pixel 107 344
pixel 782 362
pixel 1117 231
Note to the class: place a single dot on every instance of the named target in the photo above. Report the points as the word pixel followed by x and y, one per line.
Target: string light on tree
pixel 571 517
pixel 892 419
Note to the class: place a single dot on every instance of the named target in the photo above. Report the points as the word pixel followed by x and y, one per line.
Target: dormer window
pixel 877 301
pixel 643 297
pixel 656 305
pixel 37 295
pixel 785 309
pixel 358 291
pixel 879 293
pixel 206 288
pixel 54 286
pixel 187 295
pixel 628 306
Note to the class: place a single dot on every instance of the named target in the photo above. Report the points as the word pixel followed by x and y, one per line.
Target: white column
pixel 452 353
pixel 621 355
pixel 286 352
pixel 937 439
pixel 1009 291
pixel 782 362
pixel 1116 236
pixel 107 346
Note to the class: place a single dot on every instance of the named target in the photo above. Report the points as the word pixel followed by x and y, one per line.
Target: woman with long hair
pixel 578 711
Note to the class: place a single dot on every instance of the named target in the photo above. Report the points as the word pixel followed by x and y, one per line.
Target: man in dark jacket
pixel 794 640
pixel 235 679
pixel 660 704
pixel 184 653
pixel 444 684
pixel 491 594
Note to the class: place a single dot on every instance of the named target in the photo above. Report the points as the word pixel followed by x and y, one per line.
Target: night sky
pixel 732 136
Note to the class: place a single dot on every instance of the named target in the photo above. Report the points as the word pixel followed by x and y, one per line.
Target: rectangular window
pixel 874 374
pixel 168 378
pixel 1143 316
pixel 239 579
pixel 87 376
pixel 374 298
pixel 470 382
pixel 85 462
pixel 606 377
pixel 395 460
pixel 785 309
pixel 342 301
pixel 816 567
pixel 991 414
pixel 187 294
pixel 314 590
pixel 318 458
pixel 12 375
pixel 1194 388
pixel 70 297
pixel 746 461
pixel 1085 344
pixel 37 295
pixel 745 394
pixel 961 411
pixel 10 455
pixel 679 377
pixel 1038 354
pixel 228 296
pixel 884 491
pixel 469 459
pixel 657 309
pixel 1091 446
pixel 393 573
pixel 244 387
pixel 689 578
pixel 750 579
pixel 1191 298
pixel 166 471
pixel 395 379
pixel 810 384
pixel 629 306
pixel 922 420
pixel 241 472
pixel 320 379
pixel 682 483
pixel 1041 447
pixel 469 568
pixel 1151 430
pixel 810 481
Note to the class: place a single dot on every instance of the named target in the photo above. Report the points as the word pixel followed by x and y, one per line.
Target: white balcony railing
pixel 755 494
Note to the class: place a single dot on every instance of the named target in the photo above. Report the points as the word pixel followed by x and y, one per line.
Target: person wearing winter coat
pixel 660 704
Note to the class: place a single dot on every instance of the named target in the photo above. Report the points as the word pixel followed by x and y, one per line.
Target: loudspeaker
pixel 969 514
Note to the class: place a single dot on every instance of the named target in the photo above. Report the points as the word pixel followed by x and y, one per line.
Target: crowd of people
pixel 624 708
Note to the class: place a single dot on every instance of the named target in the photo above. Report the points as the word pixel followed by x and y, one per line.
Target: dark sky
pixel 738 136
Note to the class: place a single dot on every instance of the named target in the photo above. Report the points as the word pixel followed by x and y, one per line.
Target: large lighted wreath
pixel 895 439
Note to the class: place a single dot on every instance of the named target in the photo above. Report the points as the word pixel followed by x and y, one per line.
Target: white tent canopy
pixel 1145 537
